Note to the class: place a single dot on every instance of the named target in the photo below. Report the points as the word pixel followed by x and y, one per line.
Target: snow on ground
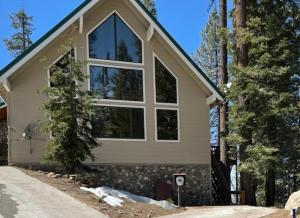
pixel 114 197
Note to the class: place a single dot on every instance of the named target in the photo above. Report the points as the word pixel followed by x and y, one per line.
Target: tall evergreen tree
pixel 244 136
pixel 68 111
pixel 264 118
pixel 20 41
pixel 207 57
pixel 150 5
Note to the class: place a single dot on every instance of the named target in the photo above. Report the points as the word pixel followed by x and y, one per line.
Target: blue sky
pixel 183 21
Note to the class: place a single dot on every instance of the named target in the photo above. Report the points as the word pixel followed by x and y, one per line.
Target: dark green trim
pixel 44 37
pixel 86 2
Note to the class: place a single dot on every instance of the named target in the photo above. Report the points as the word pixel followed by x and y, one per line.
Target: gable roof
pixel 77 13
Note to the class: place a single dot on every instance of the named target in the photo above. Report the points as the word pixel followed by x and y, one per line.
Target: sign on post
pixel 179 180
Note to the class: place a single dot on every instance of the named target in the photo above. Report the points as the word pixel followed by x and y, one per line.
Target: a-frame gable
pixel 76 16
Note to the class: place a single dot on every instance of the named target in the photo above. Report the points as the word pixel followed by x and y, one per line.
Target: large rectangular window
pixel 167 125
pixel 116 83
pixel 111 122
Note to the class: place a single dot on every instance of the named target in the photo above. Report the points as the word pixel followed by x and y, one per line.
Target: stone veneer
pixel 3 140
pixel 141 180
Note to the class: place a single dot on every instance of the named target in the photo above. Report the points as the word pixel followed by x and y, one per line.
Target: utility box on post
pixel 179 180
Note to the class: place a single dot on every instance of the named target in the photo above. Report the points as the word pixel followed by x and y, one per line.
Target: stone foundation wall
pixel 141 180
pixel 3 141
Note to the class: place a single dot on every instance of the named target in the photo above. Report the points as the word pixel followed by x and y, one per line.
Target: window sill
pixel 122 140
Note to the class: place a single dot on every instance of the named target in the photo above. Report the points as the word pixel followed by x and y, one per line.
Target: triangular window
pixel 114 40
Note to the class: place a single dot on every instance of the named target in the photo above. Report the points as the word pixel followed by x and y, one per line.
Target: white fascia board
pixel 48 40
pixel 6 85
pixel 211 99
pixel 81 24
pixel 150 32
pixel 171 44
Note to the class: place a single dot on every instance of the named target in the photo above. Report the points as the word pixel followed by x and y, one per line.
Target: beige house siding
pixel 25 101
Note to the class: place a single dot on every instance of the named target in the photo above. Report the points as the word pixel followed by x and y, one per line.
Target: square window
pixel 167 124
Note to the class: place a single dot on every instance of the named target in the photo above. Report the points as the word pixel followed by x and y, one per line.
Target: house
pixel 165 108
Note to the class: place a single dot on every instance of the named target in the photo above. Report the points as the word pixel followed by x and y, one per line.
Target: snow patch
pixel 113 197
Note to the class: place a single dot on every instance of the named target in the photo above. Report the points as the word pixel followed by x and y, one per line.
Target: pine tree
pixel 20 41
pixel 264 118
pixel 207 57
pixel 223 112
pixel 150 5
pixel 69 111
pixel 241 135
pixel 212 57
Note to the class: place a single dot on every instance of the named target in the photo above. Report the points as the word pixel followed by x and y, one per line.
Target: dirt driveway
pixel 22 196
pixel 224 212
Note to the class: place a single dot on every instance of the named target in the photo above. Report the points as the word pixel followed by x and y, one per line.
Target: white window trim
pixel 56 60
pixel 178 124
pixel 112 61
pixel 118 67
pixel 154 82
pixel 126 140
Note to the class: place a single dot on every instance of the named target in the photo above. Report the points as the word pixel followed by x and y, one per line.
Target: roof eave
pixel 45 39
pixel 199 72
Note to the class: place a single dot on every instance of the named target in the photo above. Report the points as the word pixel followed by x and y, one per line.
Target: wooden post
pixel 179 199
pixel 242 200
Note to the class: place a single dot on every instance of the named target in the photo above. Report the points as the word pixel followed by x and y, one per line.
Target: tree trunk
pixel 23 33
pixel 223 80
pixel 248 183
pixel 270 187
pixel 240 18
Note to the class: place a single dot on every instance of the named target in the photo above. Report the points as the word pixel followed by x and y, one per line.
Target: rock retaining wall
pixel 3 141
pixel 141 180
